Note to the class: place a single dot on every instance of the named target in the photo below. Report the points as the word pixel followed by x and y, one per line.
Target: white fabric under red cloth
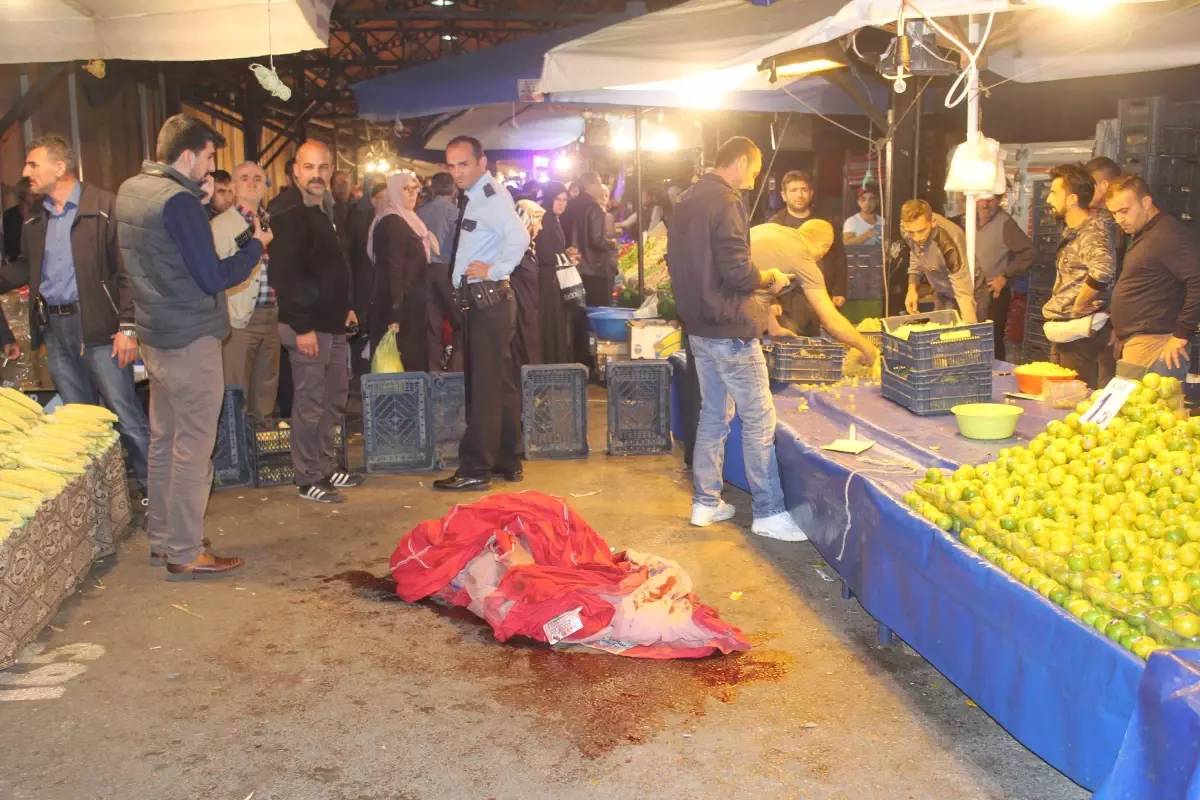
pixel 523 560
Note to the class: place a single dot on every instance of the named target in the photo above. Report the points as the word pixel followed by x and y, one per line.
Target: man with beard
pixel 1156 302
pixel 178 286
pixel 312 281
pixel 1087 266
pixel 797 193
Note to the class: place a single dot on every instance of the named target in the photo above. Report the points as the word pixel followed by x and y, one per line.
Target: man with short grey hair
pixel 79 301
pixel 178 286
pixel 251 353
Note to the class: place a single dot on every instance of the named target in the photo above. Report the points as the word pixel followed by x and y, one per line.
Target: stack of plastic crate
pixel 1047 232
pixel 1160 141
pixel 932 371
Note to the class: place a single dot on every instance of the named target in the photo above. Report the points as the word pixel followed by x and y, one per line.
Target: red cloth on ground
pixel 520 560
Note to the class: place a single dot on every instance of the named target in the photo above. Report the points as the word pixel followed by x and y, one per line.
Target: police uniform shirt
pixel 491 232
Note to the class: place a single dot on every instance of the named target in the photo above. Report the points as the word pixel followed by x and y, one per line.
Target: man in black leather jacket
pixel 584 226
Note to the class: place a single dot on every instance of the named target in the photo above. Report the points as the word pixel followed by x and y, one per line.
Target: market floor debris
pixel 306 679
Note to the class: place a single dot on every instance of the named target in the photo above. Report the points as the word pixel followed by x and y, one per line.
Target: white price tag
pixel 563 626
pixel 1109 404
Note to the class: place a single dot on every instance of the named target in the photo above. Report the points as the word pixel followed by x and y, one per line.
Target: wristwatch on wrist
pixel 130 332
pixel 770 281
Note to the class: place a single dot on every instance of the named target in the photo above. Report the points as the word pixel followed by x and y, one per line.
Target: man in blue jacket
pixel 708 256
pixel 178 287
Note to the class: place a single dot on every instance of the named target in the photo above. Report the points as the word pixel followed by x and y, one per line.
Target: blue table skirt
pixel 1061 689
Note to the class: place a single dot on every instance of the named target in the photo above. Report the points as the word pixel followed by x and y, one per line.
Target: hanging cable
pixel 972 55
pixel 767 171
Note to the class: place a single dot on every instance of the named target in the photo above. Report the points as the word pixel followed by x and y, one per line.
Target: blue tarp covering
pixel 481 78
pixel 1062 690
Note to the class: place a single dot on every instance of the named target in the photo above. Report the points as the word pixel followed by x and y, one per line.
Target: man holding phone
pixel 312 283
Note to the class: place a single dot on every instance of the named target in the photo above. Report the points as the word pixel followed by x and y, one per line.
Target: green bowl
pixel 987 420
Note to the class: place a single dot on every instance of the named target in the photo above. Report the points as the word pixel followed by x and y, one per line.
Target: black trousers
pixel 494 404
pixel 690 404
pixel 998 313
pixel 1092 357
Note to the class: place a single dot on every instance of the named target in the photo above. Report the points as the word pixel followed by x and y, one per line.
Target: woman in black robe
pixel 551 248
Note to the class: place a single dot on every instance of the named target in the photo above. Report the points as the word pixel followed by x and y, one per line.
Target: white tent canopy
pixel 39 31
pixel 713 45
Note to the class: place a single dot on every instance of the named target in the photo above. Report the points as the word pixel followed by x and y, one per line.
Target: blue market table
pixel 1060 688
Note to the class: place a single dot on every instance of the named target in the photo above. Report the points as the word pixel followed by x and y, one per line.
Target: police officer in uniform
pixel 489 244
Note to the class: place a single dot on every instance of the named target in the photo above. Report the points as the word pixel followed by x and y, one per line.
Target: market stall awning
pixel 504 73
pixel 715 46
pixel 40 31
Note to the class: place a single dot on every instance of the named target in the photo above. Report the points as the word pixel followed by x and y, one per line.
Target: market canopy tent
pixel 510 73
pixel 40 31
pixel 715 46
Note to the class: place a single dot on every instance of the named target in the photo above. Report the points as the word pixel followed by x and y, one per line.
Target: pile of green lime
pixel 1105 523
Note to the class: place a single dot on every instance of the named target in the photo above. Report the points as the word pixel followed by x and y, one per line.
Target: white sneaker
pixel 779 526
pixel 703 516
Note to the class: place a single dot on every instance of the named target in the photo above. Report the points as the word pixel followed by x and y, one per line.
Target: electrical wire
pixel 767 171
pixel 972 55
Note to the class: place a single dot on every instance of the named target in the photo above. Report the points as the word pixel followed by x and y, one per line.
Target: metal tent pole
pixel 642 228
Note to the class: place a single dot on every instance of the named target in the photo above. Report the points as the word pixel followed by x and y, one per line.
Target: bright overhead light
pixel 441 2
pixel 808 67
pixel 564 163
pixel 448 37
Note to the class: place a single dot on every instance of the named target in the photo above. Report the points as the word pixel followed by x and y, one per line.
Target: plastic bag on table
pixel 386 359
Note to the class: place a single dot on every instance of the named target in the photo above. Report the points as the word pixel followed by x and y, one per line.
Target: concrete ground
pixel 304 677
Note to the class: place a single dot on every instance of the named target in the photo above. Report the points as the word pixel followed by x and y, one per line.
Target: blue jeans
pixel 86 373
pixel 733 376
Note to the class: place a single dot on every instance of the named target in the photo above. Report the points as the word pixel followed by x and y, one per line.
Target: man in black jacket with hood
pixel 583 224
pixel 312 281
pixel 708 257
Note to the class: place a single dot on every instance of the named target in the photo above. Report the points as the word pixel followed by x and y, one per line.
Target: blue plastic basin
pixel 610 324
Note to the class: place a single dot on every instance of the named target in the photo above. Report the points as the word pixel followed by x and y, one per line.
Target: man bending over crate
pixel 938 253
pixel 708 257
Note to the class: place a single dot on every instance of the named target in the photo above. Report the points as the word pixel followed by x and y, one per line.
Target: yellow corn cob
pixel 58 465
pixel 61 432
pixel 15 421
pixel 64 447
pixel 14 492
pixel 21 399
pixel 14 407
pixel 78 426
pixel 48 483
pixel 98 413
pixel 24 508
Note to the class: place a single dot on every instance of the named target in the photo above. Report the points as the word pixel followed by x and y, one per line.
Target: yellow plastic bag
pixel 386 358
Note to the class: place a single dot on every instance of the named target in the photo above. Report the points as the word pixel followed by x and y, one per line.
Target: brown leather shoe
pixel 206 566
pixel 160 559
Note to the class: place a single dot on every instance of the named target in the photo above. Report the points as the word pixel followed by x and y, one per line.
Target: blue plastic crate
pixel 273 455
pixel 874 337
pixel 935 391
pixel 448 396
pixel 864 281
pixel 398 432
pixel 233 457
pixel 1047 243
pixel 554 410
pixel 1042 278
pixel 926 350
pixel 804 360
pixel 639 408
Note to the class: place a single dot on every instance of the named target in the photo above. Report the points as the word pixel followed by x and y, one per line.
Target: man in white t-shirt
pixel 865 227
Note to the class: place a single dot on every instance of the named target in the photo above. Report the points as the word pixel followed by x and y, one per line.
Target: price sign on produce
pixel 1110 401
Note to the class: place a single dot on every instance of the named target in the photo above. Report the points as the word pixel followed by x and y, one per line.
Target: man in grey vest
pixel 1003 253
pixel 178 286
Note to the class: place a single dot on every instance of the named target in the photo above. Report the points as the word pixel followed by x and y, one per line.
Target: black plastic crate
pixel 639 408
pixel 554 410
pixel 273 459
pixel 1041 193
pixel 935 391
pixel 398 432
pixel 804 359
pixel 448 396
pixel 1041 278
pixel 937 349
pixel 233 457
pixel 1154 110
pixel 1185 114
pixel 1162 170
pixel 1044 220
pixel 1032 351
pixel 1142 140
pixel 1047 243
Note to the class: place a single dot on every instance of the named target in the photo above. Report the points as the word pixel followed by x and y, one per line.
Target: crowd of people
pixel 213 285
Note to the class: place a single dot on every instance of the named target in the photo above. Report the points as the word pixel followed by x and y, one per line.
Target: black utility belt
pixel 483 295
pixel 45 311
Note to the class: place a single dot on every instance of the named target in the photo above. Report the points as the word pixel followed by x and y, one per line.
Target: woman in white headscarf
pixel 400 246
pixel 527 347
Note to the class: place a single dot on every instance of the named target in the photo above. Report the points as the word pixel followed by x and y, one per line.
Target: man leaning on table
pixel 1156 302
pixel 709 261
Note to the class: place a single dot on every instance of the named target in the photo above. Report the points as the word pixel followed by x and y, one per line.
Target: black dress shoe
pixel 462 483
pixel 514 476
